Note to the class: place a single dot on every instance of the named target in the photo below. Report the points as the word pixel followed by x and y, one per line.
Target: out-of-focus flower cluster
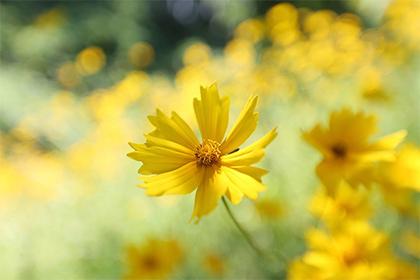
pixel 70 149
pixel 351 248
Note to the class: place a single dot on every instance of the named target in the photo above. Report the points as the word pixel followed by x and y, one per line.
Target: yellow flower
pixel 269 208
pixel 348 204
pixel 399 181
pixel 214 167
pixel 214 264
pixel 404 173
pixel 355 251
pixel 347 152
pixel 156 260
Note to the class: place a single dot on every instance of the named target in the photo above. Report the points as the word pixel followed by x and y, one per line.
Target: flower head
pixel 155 260
pixel 354 251
pixel 347 152
pixel 213 165
pixel 399 181
pixel 348 204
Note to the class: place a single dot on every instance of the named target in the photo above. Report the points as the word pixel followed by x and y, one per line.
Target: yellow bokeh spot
pixel 251 30
pixel 240 52
pixel 133 86
pixel 284 14
pixel 53 18
pixel 319 21
pixel 68 76
pixel 90 61
pixel 196 54
pixel 141 54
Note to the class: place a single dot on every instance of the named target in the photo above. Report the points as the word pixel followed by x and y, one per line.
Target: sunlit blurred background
pixel 78 80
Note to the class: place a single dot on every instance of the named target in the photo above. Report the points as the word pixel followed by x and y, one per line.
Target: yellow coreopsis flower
pixel 157 259
pixel 355 251
pixel 404 173
pixel 399 181
pixel 347 152
pixel 213 166
pixel 348 204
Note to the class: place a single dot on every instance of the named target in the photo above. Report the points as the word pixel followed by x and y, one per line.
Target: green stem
pixel 241 229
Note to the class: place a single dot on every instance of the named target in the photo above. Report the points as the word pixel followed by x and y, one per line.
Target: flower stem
pixel 241 229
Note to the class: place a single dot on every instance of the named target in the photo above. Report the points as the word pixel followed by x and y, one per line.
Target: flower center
pixel 208 152
pixel 339 150
pixel 150 262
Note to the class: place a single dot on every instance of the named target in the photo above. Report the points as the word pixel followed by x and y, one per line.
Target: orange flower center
pixel 208 152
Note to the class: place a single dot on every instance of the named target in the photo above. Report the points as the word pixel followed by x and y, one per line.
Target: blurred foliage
pixel 78 80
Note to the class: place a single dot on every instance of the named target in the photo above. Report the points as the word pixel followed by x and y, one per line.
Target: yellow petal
pixel 243 127
pixel 251 154
pixel 212 113
pixel 136 146
pixel 321 260
pixel 252 171
pixel 211 189
pixel 352 127
pixel 320 140
pixel 382 149
pixel 246 184
pixel 318 239
pixel 159 159
pixel 180 181
pixel 163 143
pixel 173 129
pixel 330 173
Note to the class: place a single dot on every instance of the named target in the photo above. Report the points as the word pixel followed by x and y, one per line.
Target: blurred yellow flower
pixel 214 264
pixel 348 203
pixel 399 181
pixel 347 153
pixel 355 251
pixel 156 260
pixel 270 209
pixel 404 173
pixel 214 167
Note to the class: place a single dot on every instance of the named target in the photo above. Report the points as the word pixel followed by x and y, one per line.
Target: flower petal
pixel 251 154
pixel 352 127
pixel 243 127
pixel 211 189
pixel 252 171
pixel 173 129
pixel 179 181
pixel 212 113
pixel 153 141
pixel 242 182
pixel 383 149
pixel 320 139
pixel 160 159
pixel 330 173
